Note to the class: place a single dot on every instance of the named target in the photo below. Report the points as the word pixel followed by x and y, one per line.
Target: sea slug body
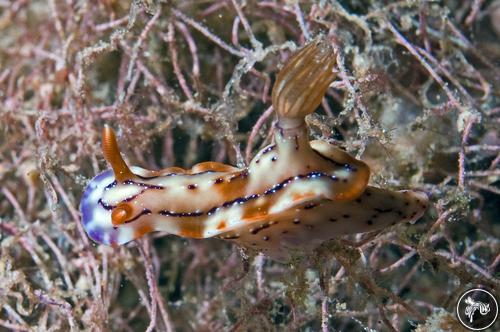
pixel 293 195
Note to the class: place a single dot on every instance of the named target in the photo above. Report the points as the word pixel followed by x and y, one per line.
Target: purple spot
pixel 96 235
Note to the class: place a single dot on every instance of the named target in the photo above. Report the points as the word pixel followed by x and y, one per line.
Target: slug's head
pixel 106 206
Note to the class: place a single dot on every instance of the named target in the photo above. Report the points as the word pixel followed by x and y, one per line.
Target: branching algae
pixel 294 194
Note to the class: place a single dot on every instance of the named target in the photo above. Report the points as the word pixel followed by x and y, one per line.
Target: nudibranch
pixel 293 195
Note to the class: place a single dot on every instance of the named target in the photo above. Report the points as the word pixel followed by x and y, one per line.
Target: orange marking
pixel 256 211
pixel 298 197
pixel 221 225
pixel 192 233
pixel 120 214
pixel 229 190
pixel 143 229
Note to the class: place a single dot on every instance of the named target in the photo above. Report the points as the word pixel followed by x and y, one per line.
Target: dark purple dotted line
pixel 145 185
pixel 140 184
pixel 180 214
pixel 269 149
pixel 143 212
